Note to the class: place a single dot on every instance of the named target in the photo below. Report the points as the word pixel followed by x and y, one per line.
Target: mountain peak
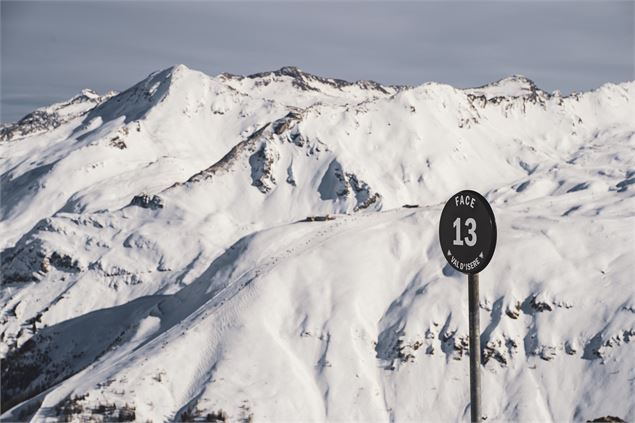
pixel 178 69
pixel 139 99
pixel 88 93
pixel 293 71
pixel 516 79
pixel 511 86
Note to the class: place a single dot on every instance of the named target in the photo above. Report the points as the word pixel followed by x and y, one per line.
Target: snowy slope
pixel 157 262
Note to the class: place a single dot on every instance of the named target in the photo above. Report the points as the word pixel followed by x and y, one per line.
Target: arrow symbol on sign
pixel 449 253
pixel 481 255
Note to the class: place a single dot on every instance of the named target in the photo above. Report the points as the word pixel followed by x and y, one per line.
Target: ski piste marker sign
pixel 467 232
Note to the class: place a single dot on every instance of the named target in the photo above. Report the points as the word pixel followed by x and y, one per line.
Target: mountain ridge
pixel 299 78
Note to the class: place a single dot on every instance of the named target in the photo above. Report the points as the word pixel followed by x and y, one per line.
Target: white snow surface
pixel 209 294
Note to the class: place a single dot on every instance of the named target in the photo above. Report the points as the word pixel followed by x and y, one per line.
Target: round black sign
pixel 467 232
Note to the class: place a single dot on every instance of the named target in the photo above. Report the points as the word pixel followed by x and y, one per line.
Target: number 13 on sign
pixel 471 231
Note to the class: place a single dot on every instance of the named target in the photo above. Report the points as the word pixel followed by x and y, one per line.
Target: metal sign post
pixel 467 233
pixel 475 349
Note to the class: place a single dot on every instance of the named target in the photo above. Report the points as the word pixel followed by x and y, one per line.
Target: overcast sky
pixel 51 50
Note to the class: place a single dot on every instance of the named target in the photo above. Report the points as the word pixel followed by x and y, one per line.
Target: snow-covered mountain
pixel 235 248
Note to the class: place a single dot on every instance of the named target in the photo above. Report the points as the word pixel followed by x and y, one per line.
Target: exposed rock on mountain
pixel 49 118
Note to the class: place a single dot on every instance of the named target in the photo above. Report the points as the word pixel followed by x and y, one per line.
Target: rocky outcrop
pixel 49 118
pixel 337 184
pixel 261 163
pixel 309 82
pixel 146 201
